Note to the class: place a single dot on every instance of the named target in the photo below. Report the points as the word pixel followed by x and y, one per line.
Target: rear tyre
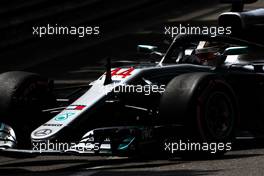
pixel 205 105
pixel 23 96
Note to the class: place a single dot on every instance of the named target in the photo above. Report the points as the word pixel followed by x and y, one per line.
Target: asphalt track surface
pixel 238 162
pixel 247 158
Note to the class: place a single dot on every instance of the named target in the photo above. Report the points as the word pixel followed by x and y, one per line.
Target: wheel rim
pixel 219 115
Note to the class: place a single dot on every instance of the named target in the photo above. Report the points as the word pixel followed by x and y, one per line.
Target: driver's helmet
pixel 207 55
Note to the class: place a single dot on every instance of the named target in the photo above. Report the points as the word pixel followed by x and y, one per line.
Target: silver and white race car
pixel 204 89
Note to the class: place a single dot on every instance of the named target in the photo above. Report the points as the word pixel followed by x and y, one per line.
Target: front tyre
pixel 23 96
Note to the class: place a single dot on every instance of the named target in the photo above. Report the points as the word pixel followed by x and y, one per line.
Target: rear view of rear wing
pixel 238 5
pixel 242 20
pixel 247 25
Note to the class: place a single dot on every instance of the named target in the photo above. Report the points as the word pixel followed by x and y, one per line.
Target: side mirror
pixel 236 50
pixel 147 49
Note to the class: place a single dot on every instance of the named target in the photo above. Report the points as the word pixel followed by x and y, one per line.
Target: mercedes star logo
pixel 43 132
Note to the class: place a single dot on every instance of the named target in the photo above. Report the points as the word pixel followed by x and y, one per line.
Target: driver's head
pixel 207 55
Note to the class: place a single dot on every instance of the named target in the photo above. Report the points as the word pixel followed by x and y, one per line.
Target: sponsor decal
pixel 42 132
pixel 62 117
pixel 52 124
pixel 76 107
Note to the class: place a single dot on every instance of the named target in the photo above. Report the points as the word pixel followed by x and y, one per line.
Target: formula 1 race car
pixel 204 89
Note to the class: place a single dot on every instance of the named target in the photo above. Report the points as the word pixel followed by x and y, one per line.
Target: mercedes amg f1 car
pixel 203 89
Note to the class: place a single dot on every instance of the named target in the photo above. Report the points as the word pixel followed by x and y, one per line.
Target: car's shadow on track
pixel 127 166
pixel 124 166
pixel 69 165
pixel 179 172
